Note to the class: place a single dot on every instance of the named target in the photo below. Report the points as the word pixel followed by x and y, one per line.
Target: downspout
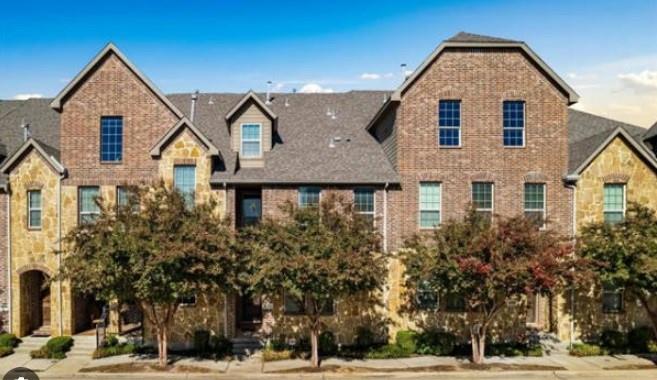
pixel 59 254
pixel 571 337
pixel 9 287
pixel 385 218
pixel 225 295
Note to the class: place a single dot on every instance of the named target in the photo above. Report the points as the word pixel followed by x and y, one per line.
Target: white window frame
pixel 30 209
pixel 80 212
pixel 419 205
pixel 544 209
pixel 373 212
pixel 195 179
pixel 242 140
pixel 460 145
pixel 621 293
pixel 604 209
pixel 524 124
pixel 492 195
pixel 319 199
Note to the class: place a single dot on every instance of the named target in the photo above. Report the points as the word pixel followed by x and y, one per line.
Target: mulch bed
pixel 146 367
pixel 436 368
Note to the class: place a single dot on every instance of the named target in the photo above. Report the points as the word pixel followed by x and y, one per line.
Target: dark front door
pixel 249 312
pixel 249 209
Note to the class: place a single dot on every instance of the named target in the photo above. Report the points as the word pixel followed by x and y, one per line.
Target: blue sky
pixel 606 49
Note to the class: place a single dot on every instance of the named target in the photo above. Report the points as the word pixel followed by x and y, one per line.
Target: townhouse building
pixel 482 122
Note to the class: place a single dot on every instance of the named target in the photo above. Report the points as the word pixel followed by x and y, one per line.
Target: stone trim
pixel 34 266
pixel 184 161
pixel 482 177
pixel 616 178
pixel 34 186
pixel 535 177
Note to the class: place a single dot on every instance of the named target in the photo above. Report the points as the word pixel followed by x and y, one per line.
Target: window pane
pixel 513 123
pixel 612 299
pixel 35 199
pixel 121 196
pixel 111 138
pixel 482 195
pixel 292 304
pixel 455 302
pixel 88 197
pixel 364 200
pixel 309 196
pixel 184 180
pixel 35 218
pixel 251 140
pixel 426 298
pixel 429 204
pixel 449 122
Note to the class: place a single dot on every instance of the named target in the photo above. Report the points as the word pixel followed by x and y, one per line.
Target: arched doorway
pixel 35 303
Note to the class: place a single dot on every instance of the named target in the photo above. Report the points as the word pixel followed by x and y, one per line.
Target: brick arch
pixel 482 177
pixel 616 178
pixel 449 92
pixel 38 267
pixel 514 95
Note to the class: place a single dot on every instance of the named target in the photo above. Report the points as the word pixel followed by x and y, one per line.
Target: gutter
pixel 573 187
pixel 225 295
pixel 385 218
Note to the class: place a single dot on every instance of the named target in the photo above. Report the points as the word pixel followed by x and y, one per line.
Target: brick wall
pixel 112 89
pixel 482 79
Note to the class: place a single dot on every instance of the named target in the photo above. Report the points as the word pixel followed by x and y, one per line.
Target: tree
pixel 152 252
pixel 317 255
pixel 624 255
pixel 488 264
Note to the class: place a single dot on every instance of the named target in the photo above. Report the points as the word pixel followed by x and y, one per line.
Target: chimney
pixel 26 130
pixel 403 71
pixel 268 99
pixel 193 107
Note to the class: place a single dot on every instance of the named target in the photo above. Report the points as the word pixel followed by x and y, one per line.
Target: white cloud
pixel 408 72
pixel 27 96
pixel 313 88
pixel 644 80
pixel 388 75
pixel 370 76
pixel 279 86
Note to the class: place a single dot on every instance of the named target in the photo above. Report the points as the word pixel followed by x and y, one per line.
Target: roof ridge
pixel 607 118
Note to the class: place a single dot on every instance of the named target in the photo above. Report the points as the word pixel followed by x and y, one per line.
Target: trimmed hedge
pixel 117 349
pixel 55 348
pixel 587 349
pixel 639 339
pixel 4 351
pixel 9 340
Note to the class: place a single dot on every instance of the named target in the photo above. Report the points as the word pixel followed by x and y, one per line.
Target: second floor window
pixel 449 123
pixel 482 198
pixel 34 209
pixel 88 208
pixel 535 203
pixel 514 123
pixel 429 204
pixel 426 298
pixel 251 140
pixel 309 196
pixel 614 203
pixel 111 138
pixel 184 180
pixel 364 203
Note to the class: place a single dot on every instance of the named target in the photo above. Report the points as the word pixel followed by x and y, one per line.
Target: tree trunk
pixel 651 313
pixel 164 355
pixel 478 337
pixel 314 344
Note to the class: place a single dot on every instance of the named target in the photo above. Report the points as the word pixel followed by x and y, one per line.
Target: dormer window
pixel 251 145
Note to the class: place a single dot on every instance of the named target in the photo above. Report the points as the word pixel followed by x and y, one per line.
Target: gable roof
pixel 181 125
pixel 652 131
pixel 301 151
pixel 589 135
pixel 250 96
pixel 111 49
pixel 49 153
pixel 469 40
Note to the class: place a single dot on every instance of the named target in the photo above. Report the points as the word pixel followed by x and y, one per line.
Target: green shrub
pixel 278 344
pixel 535 351
pixel 4 351
pixel 201 341
pixel 613 339
pixel 639 338
pixel 270 355
pixel 327 344
pixel 111 340
pixel 365 338
pixel 55 348
pixel 389 351
pixel 505 349
pixel 652 347
pixel 434 342
pixel 8 340
pixel 406 340
pixel 118 349
pixel 586 349
pixel 220 346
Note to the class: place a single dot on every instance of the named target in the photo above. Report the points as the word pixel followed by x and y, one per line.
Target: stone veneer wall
pixel 618 162
pixel 33 249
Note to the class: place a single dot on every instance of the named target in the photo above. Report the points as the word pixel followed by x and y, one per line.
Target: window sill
pixel 513 147
pixel 34 229
pixel 450 146
pixel 111 162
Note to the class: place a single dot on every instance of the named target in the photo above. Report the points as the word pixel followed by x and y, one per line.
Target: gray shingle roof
pixel 301 151
pixel 652 132
pixel 43 122
pixel 477 38
pixel 587 131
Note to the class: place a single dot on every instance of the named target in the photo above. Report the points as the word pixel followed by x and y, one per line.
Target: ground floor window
pixel 294 306
pixel 454 302
pixel 612 299
pixel 426 298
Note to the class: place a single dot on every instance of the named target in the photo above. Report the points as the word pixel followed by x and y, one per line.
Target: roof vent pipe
pixel 404 74
pixel 193 107
pixel 26 130
pixel 268 99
